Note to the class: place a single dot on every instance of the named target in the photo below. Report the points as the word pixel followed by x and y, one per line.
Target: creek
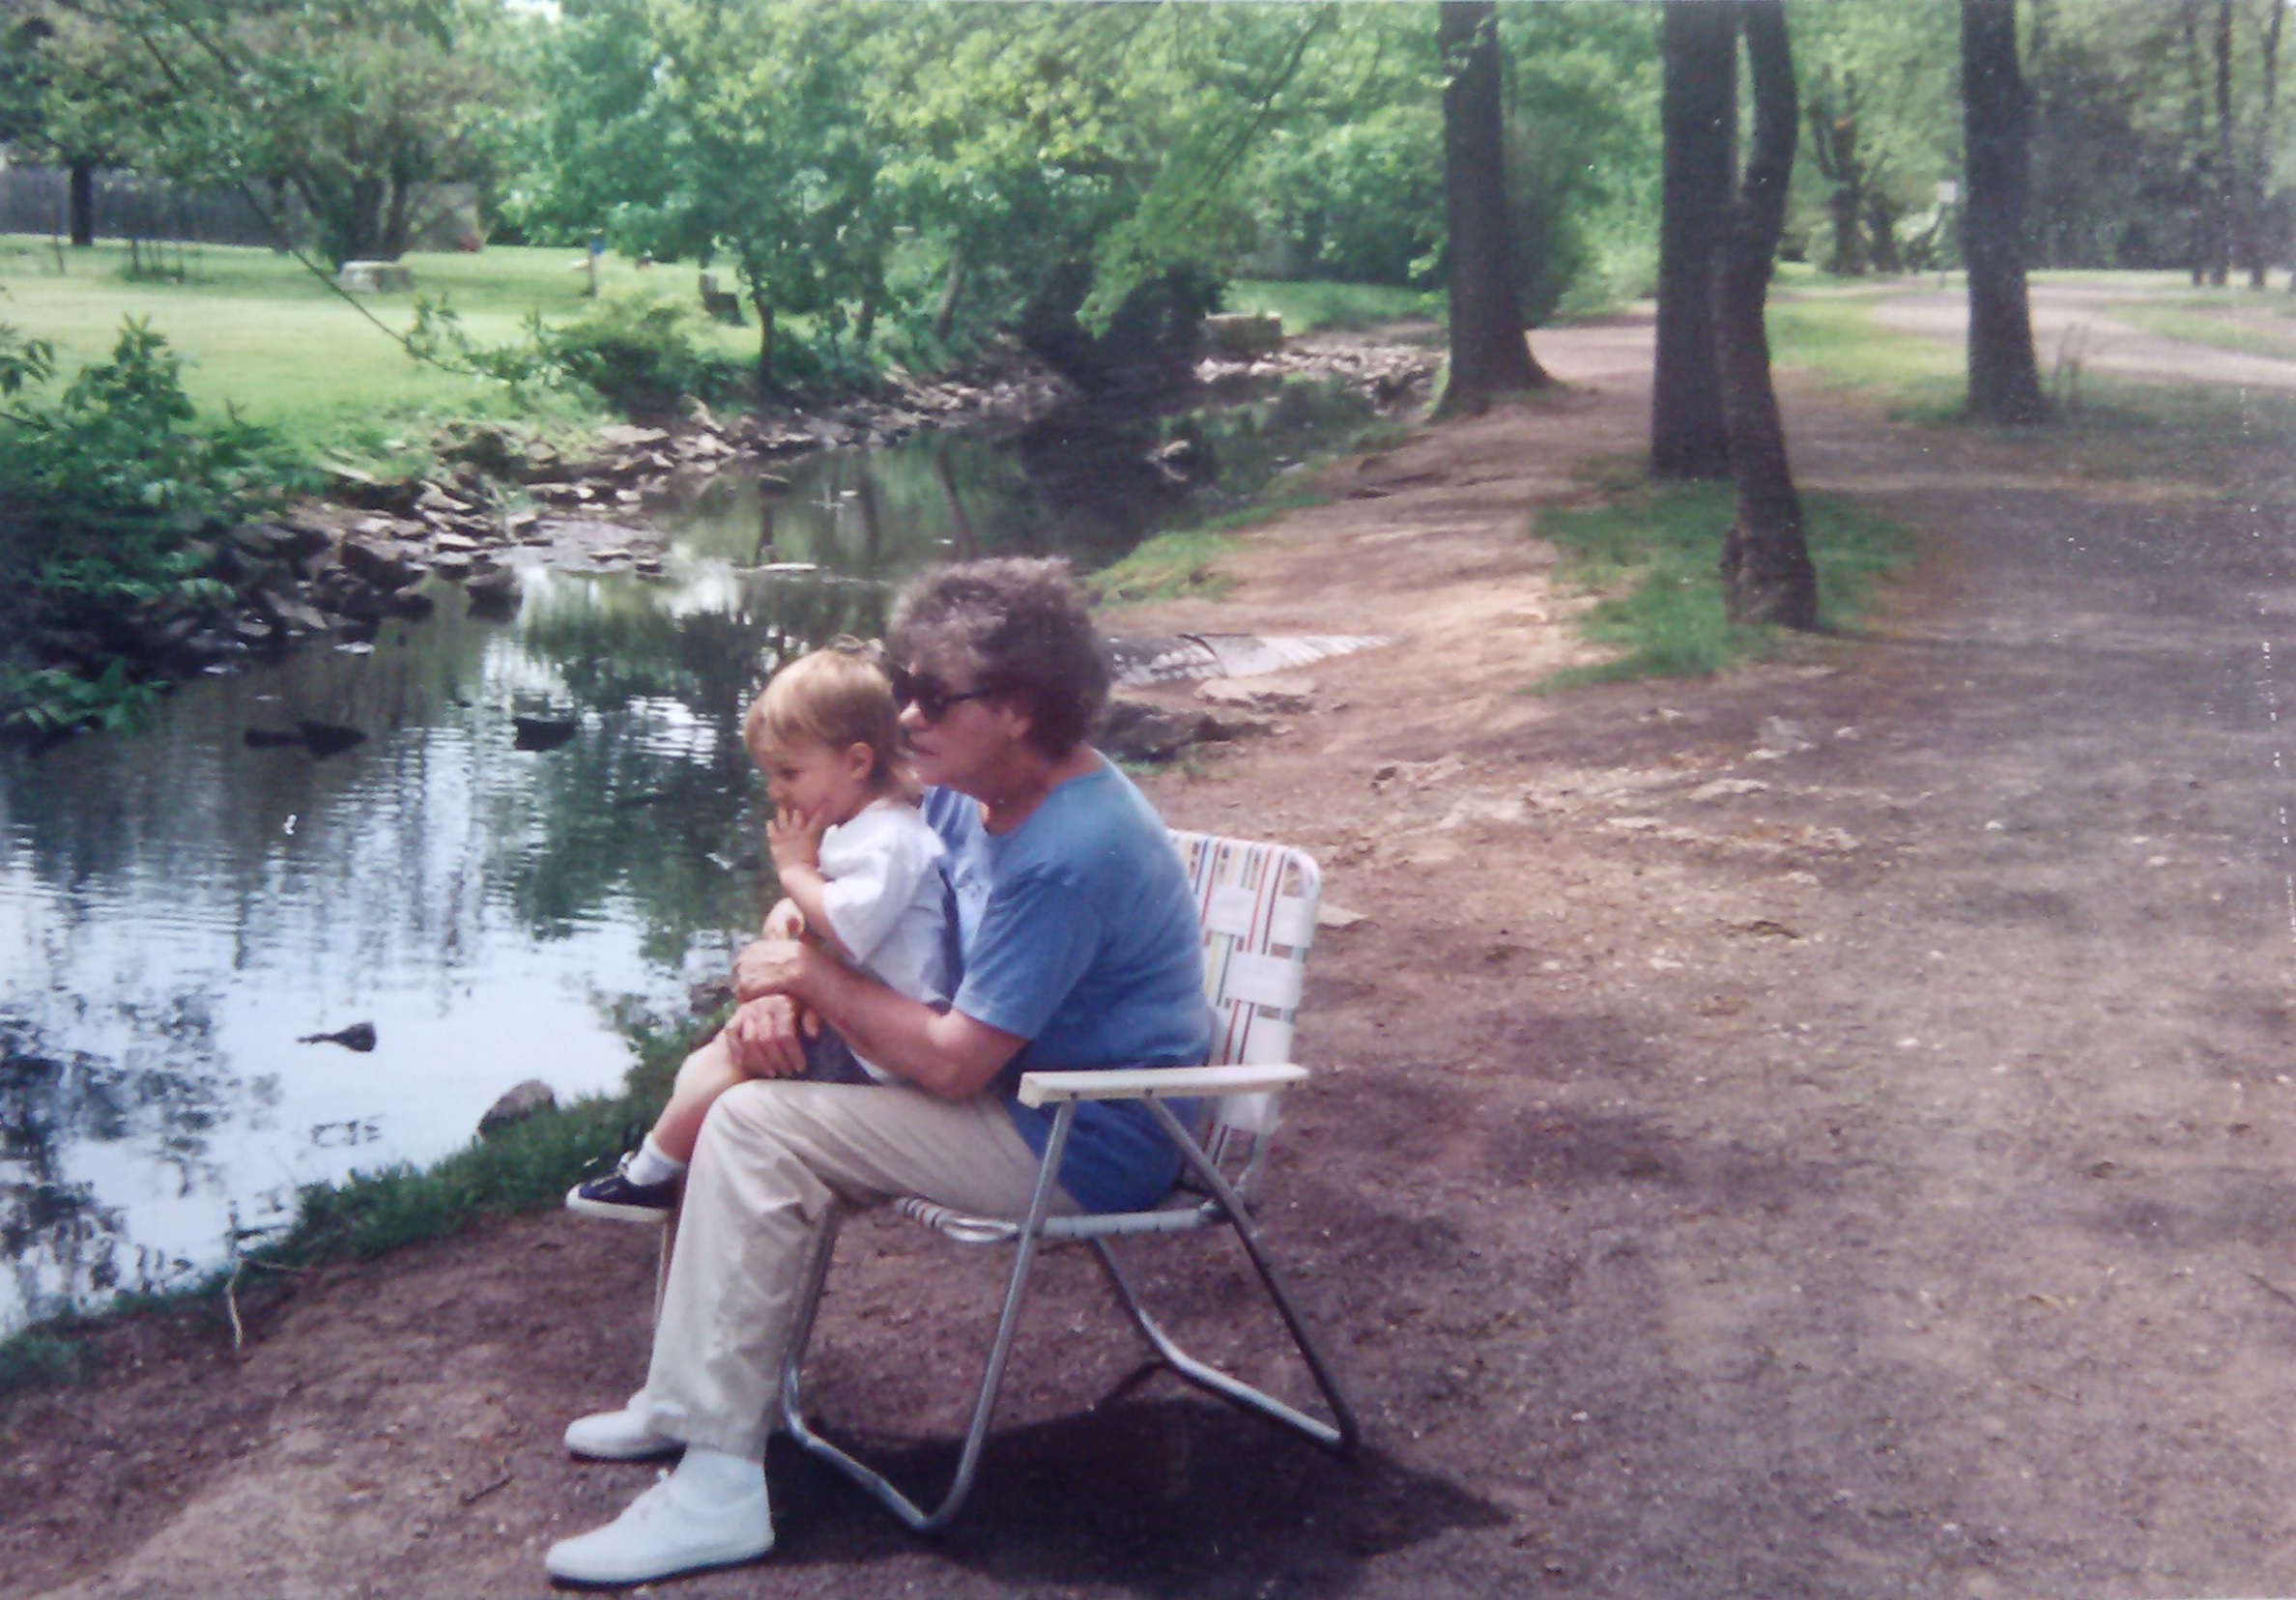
pixel 179 908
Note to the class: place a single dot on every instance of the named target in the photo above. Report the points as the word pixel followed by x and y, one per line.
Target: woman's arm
pixel 944 1053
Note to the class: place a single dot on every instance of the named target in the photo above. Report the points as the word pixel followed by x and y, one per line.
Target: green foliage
pixel 1166 567
pixel 639 355
pixel 1358 200
pixel 359 108
pixel 39 1359
pixel 1583 82
pixel 24 361
pixel 104 492
pixel 1652 555
pixel 49 699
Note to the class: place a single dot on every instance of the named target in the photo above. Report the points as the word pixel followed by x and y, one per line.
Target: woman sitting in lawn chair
pixel 1079 949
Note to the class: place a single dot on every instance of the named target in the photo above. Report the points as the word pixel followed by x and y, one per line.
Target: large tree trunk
pixel 1766 576
pixel 1689 436
pixel 1996 124
pixel 80 203
pixel 1489 356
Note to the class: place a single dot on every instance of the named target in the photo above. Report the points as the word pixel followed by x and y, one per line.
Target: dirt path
pixel 1836 1159
pixel 2076 320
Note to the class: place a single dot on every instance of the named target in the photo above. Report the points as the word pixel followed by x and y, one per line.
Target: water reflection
pixel 176 910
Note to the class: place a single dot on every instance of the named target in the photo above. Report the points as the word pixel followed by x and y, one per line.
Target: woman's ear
pixel 1017 715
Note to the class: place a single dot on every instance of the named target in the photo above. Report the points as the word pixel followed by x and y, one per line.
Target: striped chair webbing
pixel 1256 903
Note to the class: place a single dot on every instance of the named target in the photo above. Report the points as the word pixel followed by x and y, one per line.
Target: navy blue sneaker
pixel 615 1197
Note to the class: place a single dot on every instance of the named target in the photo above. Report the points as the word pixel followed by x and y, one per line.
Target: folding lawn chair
pixel 1256 903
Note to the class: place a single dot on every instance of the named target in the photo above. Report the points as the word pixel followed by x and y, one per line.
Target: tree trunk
pixel 2260 242
pixel 944 311
pixel 2227 170
pixel 1832 111
pixel 1996 124
pixel 764 340
pixel 1881 233
pixel 80 202
pixel 1689 436
pixel 2197 158
pixel 1766 576
pixel 1489 356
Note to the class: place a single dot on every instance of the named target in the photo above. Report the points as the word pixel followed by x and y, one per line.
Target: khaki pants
pixel 774 1157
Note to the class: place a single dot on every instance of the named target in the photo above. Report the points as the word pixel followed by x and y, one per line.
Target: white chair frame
pixel 1256 903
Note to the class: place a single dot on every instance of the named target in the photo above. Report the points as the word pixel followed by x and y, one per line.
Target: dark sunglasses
pixel 928 695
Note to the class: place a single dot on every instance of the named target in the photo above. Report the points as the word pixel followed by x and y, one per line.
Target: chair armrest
pixel 1156 1083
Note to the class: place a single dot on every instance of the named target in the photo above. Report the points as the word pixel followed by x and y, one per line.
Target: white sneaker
pixel 676 1527
pixel 616 1435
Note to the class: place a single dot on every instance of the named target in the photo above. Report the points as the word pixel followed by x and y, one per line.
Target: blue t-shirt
pixel 1079 934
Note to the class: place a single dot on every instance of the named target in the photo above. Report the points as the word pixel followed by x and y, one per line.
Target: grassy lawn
pixel 259 332
pixel 1306 307
pixel 1652 554
pixel 1832 333
pixel 2258 324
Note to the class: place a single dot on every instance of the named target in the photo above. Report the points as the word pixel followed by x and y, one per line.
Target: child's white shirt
pixel 887 902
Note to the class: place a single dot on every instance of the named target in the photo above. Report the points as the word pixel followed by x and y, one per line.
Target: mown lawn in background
pixel 1653 553
pixel 1307 307
pixel 2262 325
pixel 1832 333
pixel 259 332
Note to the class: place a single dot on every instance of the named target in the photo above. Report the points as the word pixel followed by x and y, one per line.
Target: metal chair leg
pixel 913 1516
pixel 1342 1433
pixel 1205 1376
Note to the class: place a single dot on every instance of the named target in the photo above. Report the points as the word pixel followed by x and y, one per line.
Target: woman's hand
pixel 762 1038
pixel 794 840
pixel 772 966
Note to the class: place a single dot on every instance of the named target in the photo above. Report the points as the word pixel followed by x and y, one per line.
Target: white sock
pixel 719 1478
pixel 650 1166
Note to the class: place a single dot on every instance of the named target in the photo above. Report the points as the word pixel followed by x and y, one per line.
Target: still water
pixel 178 909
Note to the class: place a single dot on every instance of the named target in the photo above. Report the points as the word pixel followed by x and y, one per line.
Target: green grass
pixel 1166 567
pixel 526 1167
pixel 1652 554
pixel 1306 307
pixel 2247 330
pixel 259 332
pixel 1833 334
pixel 1184 564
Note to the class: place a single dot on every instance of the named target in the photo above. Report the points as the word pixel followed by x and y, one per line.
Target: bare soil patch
pixel 1816 1132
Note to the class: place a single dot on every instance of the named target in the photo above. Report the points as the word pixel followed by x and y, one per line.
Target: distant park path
pixel 2083 314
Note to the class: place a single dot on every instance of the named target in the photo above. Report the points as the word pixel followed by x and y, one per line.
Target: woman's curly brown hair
pixel 1017 627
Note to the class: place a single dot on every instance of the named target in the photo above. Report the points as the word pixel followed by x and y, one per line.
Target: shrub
pixel 106 492
pixel 640 358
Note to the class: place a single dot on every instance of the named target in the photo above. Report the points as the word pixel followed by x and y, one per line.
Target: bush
pixel 106 494
pixel 640 358
pixel 636 354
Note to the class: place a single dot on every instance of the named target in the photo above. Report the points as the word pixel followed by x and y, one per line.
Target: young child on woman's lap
pixel 858 863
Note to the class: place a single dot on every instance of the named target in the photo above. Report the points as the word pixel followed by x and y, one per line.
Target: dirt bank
pixel 1819 1131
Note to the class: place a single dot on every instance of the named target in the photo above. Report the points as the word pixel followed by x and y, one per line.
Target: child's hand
pixel 794 840
pixel 785 920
